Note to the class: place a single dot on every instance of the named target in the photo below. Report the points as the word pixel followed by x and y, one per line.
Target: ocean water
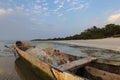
pixel 12 68
pixel 82 51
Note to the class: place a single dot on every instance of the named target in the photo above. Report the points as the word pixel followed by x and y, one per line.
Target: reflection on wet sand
pixel 7 71
pixel 1 71
pixel 24 71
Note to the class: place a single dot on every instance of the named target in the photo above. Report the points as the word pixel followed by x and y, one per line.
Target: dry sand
pixel 106 43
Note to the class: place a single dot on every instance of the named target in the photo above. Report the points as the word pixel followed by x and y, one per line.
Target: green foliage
pixel 110 30
pixel 92 33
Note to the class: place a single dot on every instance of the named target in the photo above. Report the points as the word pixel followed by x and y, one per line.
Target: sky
pixel 42 19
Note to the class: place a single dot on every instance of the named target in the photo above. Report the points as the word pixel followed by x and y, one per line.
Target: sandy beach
pixel 106 43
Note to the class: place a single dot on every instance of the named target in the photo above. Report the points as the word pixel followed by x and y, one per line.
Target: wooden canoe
pixel 89 68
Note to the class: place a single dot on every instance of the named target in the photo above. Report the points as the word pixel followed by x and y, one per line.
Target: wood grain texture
pixel 102 74
pixel 77 63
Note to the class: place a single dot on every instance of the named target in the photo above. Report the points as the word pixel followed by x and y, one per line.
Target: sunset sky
pixel 31 19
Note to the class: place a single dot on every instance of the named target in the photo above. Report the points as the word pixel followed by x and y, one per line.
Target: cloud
pixel 114 18
pixel 59 7
pixel 19 8
pixel 46 14
pixel 10 0
pixel 75 8
pixel 2 11
pixel 37 7
pixel 45 8
pixel 68 0
pixel 5 11
pixel 9 10
pixel 76 5
pixel 60 14
pixel 37 12
pixel 38 1
pixel 45 4
pixel 14 26
pixel 56 1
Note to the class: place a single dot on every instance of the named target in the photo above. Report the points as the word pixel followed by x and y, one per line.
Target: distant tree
pixel 92 33
pixel 95 33
pixel 111 29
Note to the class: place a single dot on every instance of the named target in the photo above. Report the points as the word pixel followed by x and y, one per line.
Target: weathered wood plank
pixel 102 74
pixel 65 75
pixel 76 63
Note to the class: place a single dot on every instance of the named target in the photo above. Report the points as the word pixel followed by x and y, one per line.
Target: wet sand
pixel 12 68
pixel 106 43
pixel 7 66
pixel 7 69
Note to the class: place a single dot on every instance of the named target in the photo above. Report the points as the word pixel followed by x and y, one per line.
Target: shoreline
pixel 106 43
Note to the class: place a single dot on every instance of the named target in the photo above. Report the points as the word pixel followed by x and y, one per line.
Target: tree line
pixel 109 30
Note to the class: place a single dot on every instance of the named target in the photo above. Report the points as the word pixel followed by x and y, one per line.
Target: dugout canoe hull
pixel 85 69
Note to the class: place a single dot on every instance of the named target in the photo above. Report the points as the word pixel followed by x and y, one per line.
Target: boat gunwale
pixel 18 49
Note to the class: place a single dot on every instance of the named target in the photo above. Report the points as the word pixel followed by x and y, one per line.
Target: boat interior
pixel 96 71
pixel 58 55
pixel 23 46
